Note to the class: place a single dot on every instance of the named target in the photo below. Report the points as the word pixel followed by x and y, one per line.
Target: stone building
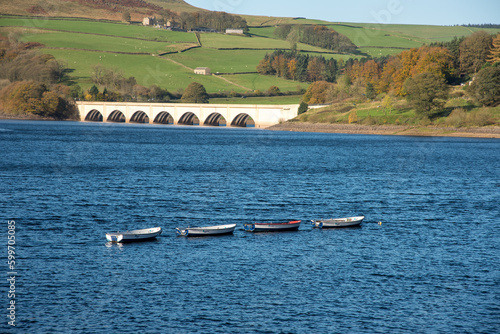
pixel 202 71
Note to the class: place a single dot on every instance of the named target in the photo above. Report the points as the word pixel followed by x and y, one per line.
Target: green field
pixel 230 41
pixel 386 39
pixel 101 28
pixel 263 82
pixel 293 99
pixel 96 42
pixel 221 41
pixel 83 43
pixel 401 35
pixel 221 60
pixel 262 31
pixel 146 69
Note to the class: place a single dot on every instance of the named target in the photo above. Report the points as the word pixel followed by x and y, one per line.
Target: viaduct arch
pixel 259 116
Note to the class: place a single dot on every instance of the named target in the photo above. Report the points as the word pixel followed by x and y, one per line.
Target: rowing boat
pixel 135 235
pixel 338 222
pixel 271 227
pixel 206 231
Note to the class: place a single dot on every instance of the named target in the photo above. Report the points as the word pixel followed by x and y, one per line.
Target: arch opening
pixel 164 118
pixel 94 116
pixel 139 117
pixel 215 119
pixel 189 118
pixel 116 116
pixel 244 121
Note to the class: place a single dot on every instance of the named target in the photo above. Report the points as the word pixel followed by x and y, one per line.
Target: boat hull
pixel 136 235
pixel 273 227
pixel 338 222
pixel 206 231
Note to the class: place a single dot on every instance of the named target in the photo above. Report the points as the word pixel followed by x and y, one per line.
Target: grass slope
pixel 372 113
pixel 93 42
pixel 73 8
pixel 115 29
pixel 84 43
pixel 146 69
pixel 72 39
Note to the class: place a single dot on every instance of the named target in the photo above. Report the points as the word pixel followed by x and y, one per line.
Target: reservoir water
pixel 431 266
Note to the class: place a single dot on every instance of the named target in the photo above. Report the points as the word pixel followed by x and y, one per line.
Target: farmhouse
pixel 148 21
pixel 234 31
pixel 202 71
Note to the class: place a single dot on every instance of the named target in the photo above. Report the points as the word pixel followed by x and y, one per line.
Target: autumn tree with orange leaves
pixel 494 55
pixel 436 60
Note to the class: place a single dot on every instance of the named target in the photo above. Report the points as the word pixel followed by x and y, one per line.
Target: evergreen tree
pixel 303 107
pixel 94 91
pixel 370 91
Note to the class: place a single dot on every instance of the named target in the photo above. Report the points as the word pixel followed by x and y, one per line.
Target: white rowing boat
pixel 206 231
pixel 271 227
pixel 135 235
pixel 338 222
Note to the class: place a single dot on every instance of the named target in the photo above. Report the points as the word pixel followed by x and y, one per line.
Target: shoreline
pixel 389 130
pixel 32 118
pixel 383 130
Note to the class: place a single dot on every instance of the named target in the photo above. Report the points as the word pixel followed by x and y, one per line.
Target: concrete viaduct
pixel 239 115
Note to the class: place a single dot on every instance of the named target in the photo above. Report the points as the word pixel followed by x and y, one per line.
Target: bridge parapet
pixel 260 116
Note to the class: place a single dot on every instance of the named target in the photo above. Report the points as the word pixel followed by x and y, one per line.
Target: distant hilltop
pixel 95 9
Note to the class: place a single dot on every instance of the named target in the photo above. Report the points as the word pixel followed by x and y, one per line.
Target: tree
pixel 303 107
pixel 485 88
pixel 437 60
pixel 94 91
pixel 264 66
pixel 316 70
pixel 292 68
pixel 30 97
pixel 353 117
pixel 75 91
pixel 426 92
pixel 386 82
pixel 317 92
pixel 158 94
pixel 494 56
pixel 387 103
pixel 126 16
pixel 273 91
pixel 195 93
pixel 473 52
pixel 279 65
pixel 370 91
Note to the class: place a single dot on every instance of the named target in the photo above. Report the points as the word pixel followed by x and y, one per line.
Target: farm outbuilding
pixel 234 31
pixel 202 71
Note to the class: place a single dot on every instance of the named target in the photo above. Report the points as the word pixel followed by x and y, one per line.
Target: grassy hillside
pixel 386 39
pixel 89 9
pixel 373 113
pixel 83 35
pixel 134 49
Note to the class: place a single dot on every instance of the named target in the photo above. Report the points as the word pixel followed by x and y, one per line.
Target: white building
pixel 202 71
pixel 234 31
pixel 148 21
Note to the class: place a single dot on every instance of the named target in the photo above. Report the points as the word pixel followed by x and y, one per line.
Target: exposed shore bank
pixel 395 130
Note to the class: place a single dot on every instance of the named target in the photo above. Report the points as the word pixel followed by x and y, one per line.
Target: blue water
pixel 432 266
